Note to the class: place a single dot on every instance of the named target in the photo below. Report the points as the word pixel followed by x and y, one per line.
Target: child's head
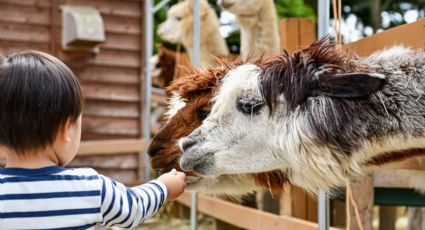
pixel 40 99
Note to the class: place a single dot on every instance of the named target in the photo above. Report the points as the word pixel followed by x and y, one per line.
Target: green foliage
pixel 294 8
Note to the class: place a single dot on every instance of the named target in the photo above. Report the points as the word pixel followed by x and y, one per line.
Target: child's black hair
pixel 38 93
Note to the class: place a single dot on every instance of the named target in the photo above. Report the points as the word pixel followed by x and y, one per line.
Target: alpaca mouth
pixel 192 179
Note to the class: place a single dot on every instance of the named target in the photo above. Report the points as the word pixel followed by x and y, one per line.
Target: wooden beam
pixel 417 163
pixel 105 147
pixel 111 147
pixel 159 96
pixel 392 178
pixel 244 217
pixel 412 35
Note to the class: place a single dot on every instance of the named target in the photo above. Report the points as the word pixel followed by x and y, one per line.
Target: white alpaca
pixel 178 28
pixel 319 115
pixel 259 27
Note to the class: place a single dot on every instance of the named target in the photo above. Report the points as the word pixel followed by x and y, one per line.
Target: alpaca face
pixel 189 106
pixel 241 7
pixel 178 17
pixel 221 145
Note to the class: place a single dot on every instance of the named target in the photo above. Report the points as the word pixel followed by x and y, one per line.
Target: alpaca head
pixel 260 118
pixel 189 106
pixel 178 26
pixel 241 7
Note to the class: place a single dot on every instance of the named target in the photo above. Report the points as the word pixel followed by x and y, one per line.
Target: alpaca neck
pixel 255 38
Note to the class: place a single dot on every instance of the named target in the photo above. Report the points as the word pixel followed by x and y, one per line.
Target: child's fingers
pixel 181 175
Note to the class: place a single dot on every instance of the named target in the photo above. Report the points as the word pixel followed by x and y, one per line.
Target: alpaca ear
pixel 348 85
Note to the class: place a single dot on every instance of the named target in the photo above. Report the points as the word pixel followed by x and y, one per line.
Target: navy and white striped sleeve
pixel 128 207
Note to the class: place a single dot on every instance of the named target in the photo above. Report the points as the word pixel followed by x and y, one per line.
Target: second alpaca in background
pixel 178 29
pixel 258 22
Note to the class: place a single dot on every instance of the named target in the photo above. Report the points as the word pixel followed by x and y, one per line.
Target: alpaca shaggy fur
pixel 259 26
pixel 318 115
pixel 178 28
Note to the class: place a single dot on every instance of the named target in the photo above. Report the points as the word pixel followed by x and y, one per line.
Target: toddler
pixel 40 129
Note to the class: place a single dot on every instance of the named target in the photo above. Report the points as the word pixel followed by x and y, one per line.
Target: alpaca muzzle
pixel 194 157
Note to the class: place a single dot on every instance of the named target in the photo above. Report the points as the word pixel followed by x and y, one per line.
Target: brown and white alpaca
pixel 167 66
pixel 189 106
pixel 259 26
pixel 178 28
pixel 319 115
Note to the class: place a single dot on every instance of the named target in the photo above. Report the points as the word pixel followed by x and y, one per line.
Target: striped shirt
pixel 63 198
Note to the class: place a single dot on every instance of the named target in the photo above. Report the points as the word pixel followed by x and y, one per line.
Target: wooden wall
pixel 110 79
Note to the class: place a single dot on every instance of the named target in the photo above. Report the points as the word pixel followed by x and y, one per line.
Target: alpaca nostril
pixel 186 144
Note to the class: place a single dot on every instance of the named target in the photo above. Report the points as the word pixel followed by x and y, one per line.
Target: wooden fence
pixel 111 80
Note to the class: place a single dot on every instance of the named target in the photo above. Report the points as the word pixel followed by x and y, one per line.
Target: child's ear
pixel 64 132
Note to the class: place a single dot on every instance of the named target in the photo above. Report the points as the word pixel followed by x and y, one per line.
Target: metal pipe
pixel 159 6
pixel 146 122
pixel 323 28
pixel 323 8
pixel 323 210
pixel 196 62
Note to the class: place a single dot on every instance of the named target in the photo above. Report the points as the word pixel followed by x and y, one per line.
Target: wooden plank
pixel 362 190
pixel 30 3
pixel 24 33
pixel 113 41
pixel 159 96
pixel 393 178
pixel 299 203
pixel 110 58
pixel 25 15
pixel 244 217
pixel 307 30
pixel 122 25
pixel 286 200
pixel 121 42
pixel 8 47
pixel 110 161
pixel 110 126
pixel 87 136
pixel 412 35
pixel 311 209
pixel 112 109
pixel 111 147
pixel 110 7
pixel 289 33
pixel 109 92
pixel 122 175
pixel 417 163
pixel 108 74
pixel 108 147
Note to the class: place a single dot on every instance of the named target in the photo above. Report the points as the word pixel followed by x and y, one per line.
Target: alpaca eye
pixel 178 18
pixel 249 106
pixel 202 114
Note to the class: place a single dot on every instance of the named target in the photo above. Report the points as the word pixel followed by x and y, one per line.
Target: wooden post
pixel 362 190
pixel 387 217
pixel 296 33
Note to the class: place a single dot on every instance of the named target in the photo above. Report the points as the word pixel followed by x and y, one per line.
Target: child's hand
pixel 175 183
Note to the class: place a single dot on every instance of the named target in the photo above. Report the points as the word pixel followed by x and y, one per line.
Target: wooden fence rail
pixel 244 217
